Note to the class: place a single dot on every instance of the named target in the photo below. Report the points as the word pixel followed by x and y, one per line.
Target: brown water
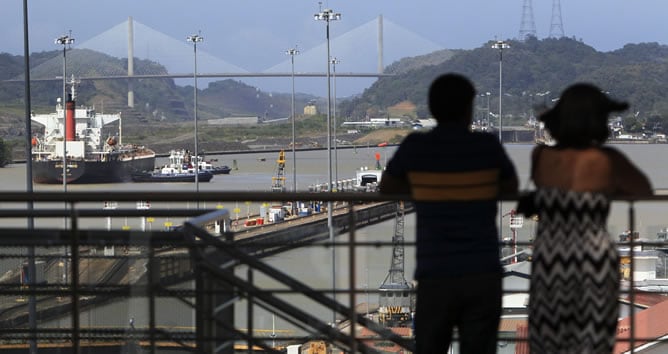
pixel 255 173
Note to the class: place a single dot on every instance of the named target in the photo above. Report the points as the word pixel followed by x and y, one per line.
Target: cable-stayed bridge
pixel 363 52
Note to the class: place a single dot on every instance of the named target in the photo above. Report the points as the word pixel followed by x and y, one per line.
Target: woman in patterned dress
pixel 575 266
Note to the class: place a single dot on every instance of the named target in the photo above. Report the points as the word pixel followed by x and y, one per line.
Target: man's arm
pixel 509 186
pixel 509 183
pixel 393 185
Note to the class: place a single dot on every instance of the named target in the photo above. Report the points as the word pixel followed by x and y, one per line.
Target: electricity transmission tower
pixel 528 26
pixel 556 25
pixel 395 298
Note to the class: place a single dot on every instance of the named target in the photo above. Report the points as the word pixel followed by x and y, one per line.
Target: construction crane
pixel 395 293
pixel 278 181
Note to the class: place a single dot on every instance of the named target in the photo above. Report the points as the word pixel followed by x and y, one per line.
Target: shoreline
pixel 274 148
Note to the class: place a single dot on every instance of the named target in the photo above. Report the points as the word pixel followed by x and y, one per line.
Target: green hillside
pixel 637 73
pixel 534 73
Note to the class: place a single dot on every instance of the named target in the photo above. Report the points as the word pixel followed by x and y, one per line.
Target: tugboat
pixel 205 165
pixel 89 157
pixel 159 176
pixel 368 179
pixel 179 169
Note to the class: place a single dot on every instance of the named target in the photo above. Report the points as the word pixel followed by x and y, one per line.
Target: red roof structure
pixel 385 346
pixel 650 325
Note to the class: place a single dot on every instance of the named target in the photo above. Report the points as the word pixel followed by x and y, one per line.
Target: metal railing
pixel 181 287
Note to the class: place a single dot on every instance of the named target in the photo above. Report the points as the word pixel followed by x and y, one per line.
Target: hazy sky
pixel 254 34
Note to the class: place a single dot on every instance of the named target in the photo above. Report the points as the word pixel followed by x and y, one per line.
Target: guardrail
pixel 59 259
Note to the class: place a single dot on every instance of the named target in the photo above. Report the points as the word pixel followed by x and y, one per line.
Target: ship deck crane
pixel 396 301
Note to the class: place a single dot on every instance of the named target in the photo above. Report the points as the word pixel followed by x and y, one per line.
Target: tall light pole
pixel 484 120
pixel 500 45
pixel 335 61
pixel 195 38
pixel 292 52
pixel 488 94
pixel 65 41
pixel 32 270
pixel 328 15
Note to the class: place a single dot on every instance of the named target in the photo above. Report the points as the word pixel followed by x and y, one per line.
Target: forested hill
pixel 155 99
pixel 534 73
pixel 637 73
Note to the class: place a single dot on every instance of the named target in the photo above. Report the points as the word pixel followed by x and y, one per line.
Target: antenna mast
pixel 556 25
pixel 528 26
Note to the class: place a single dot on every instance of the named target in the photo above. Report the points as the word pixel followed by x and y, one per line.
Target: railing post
pixel 224 304
pixel 249 313
pixel 74 280
pixel 352 285
pixel 203 311
pixel 632 297
pixel 152 274
pixel 214 304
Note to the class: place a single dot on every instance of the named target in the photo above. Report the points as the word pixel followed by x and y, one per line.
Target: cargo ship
pixel 90 157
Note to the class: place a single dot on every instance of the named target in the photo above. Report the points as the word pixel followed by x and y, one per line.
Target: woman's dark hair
pixel 580 117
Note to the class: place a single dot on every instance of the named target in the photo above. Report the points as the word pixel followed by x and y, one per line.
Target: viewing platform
pixel 212 282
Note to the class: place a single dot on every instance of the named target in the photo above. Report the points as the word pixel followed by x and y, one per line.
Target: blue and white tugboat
pixel 179 169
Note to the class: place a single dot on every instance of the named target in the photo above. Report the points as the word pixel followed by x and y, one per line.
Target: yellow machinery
pixel 278 181
pixel 316 347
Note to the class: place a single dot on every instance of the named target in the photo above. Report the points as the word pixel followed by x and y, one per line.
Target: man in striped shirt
pixel 455 177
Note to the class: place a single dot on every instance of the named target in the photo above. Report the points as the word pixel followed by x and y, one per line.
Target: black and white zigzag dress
pixel 574 287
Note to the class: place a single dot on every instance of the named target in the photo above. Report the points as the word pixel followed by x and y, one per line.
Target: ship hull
pixel 220 170
pixel 203 176
pixel 90 171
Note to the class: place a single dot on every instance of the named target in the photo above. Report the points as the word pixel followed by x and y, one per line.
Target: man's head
pixel 451 99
